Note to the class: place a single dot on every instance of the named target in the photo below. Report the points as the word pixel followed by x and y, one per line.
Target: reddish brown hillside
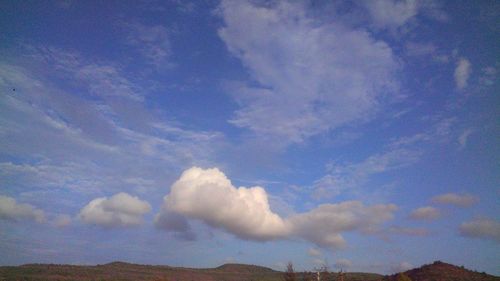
pixel 440 271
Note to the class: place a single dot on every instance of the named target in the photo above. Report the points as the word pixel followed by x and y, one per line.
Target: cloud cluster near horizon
pixel 208 195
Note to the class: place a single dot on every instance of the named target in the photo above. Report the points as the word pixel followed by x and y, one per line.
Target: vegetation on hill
pixel 440 271
pixel 121 271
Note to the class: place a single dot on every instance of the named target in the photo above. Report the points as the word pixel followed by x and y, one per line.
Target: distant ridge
pixel 118 270
pixel 238 267
pixel 125 271
pixel 441 271
pixel 119 263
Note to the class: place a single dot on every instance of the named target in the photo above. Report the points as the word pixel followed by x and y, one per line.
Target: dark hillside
pixel 440 271
pixel 122 271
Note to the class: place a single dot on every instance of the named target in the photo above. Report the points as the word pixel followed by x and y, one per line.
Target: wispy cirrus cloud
pixel 311 77
pixel 102 140
pixel 399 153
pixel 349 177
pixel 151 41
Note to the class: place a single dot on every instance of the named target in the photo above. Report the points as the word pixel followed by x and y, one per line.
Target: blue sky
pixel 362 135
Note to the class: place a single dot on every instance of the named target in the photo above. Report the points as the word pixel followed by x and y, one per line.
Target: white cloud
pixel 312 76
pixel 324 224
pixel 425 213
pixel 152 42
pixel 460 200
pixel 74 176
pixel 400 14
pixel 440 132
pixel 488 76
pixel 120 209
pixel 313 252
pixel 172 142
pixel 462 139
pixel 462 73
pixel 400 153
pixel 341 178
pixel 11 210
pixel 53 118
pixel 343 264
pixel 62 220
pixel 77 141
pixel 391 13
pixel 107 81
pixel 100 78
pixel 482 228
pixel 208 195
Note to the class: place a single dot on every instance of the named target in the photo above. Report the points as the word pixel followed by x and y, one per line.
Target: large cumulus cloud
pixel 208 195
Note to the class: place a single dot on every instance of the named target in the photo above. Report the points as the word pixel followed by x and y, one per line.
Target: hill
pixel 122 271
pixel 127 271
pixel 440 271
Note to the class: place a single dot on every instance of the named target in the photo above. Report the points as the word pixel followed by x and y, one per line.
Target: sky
pixel 361 135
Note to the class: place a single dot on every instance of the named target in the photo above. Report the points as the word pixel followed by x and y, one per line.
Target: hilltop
pixel 244 268
pixel 441 271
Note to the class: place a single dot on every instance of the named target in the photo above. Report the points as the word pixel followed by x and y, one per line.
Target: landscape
pixel 227 140
pixel 121 271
